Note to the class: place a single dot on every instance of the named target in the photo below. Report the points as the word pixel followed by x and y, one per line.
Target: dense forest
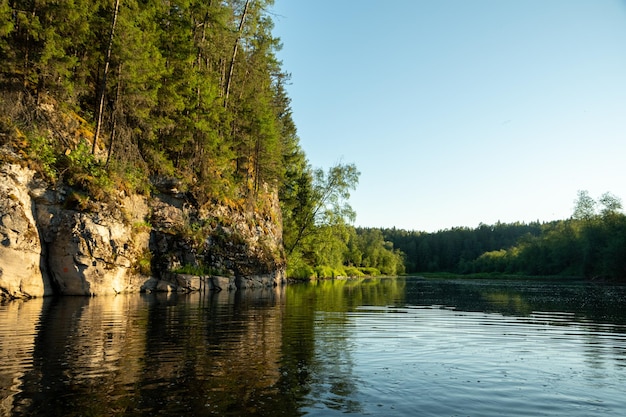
pixel 590 244
pixel 113 96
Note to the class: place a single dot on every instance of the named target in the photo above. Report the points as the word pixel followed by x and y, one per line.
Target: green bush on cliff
pixel 41 152
pixel 81 169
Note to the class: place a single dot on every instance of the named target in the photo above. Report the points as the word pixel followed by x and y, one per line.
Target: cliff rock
pixel 92 254
pixel 243 246
pixel 135 244
pixel 22 271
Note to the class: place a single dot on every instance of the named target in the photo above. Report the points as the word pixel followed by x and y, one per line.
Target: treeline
pixel 590 244
pixel 454 250
pixel 129 95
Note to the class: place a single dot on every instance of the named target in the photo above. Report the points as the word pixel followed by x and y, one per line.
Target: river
pixel 389 347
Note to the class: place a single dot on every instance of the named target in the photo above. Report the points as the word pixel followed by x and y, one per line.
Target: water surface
pixel 389 347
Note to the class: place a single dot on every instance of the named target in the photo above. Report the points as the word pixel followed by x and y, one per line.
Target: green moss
pixel 144 263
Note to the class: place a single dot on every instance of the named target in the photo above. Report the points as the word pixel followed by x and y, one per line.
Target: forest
pixel 590 244
pixel 191 92
pixel 185 92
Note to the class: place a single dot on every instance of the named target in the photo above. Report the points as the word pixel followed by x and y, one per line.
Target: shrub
pixel 371 272
pixel 144 263
pixel 40 151
pixel 302 272
pixel 198 270
pixel 325 271
pixel 352 271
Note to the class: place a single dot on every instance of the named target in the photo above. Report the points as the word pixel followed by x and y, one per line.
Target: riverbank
pixel 503 276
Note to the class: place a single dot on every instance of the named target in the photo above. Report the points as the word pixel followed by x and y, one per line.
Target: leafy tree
pixel 585 206
pixel 322 197
pixel 316 214
pixel 611 204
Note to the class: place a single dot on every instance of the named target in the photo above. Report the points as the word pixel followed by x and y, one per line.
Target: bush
pixel 370 272
pixel 41 151
pixel 144 263
pixel 198 270
pixel 325 271
pixel 354 272
pixel 84 171
pixel 301 272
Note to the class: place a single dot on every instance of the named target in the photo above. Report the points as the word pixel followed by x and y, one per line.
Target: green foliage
pixel 454 250
pixel 370 249
pixel 302 272
pixel 316 215
pixel 143 265
pixel 81 159
pixel 196 231
pixel 342 250
pixel 131 178
pixel 41 151
pixel 370 271
pixel 164 109
pixel 198 270
pixel 143 226
pixel 318 201
pixel 81 169
pixel 585 206
pixel 354 272
pixel 325 271
pixel 591 244
pixel 299 269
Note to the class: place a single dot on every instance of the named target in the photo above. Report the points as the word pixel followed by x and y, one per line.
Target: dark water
pixel 388 347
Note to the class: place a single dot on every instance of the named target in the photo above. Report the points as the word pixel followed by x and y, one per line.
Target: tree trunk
pixel 114 114
pixel 232 60
pixel 103 83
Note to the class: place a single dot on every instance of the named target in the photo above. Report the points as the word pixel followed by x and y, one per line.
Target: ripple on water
pixel 434 360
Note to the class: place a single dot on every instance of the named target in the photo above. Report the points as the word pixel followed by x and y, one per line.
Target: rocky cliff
pixel 164 242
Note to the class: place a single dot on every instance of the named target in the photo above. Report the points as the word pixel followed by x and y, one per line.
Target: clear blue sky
pixel 458 112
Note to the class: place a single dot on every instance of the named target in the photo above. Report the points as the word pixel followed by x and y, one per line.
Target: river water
pixel 379 347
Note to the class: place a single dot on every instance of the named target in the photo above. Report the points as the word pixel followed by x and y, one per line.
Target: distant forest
pixel 590 244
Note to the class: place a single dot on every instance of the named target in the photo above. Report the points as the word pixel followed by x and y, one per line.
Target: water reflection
pixel 132 355
pixel 346 346
pixel 18 321
pixel 82 357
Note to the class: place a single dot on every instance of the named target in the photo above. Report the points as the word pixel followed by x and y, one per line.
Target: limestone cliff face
pixel 91 253
pixel 22 261
pixel 47 247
